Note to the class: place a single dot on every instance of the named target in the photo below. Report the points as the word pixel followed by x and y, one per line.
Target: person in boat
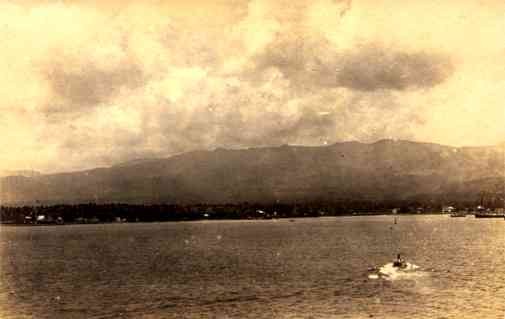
pixel 399 262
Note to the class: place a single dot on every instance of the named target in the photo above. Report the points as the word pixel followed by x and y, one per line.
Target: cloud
pixel 314 62
pixel 87 85
pixel 374 68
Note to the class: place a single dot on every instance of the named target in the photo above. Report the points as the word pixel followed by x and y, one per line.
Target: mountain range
pixel 384 170
pixel 26 173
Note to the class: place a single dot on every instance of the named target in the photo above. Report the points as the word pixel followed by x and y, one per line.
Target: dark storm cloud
pixel 89 85
pixel 373 69
pixel 313 62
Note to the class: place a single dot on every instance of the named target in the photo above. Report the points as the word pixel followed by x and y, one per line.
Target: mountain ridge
pixel 383 170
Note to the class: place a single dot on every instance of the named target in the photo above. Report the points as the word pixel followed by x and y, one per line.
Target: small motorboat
pixel 399 262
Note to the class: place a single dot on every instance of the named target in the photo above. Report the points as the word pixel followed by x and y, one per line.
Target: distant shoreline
pixel 221 219
pixel 92 213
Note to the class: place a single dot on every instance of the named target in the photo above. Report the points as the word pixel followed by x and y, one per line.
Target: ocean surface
pixel 306 268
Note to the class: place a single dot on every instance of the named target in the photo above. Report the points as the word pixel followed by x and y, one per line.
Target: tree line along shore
pixel 109 213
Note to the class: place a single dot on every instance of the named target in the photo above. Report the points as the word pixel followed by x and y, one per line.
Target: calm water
pixel 310 268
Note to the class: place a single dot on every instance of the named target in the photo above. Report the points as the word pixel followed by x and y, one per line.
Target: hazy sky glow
pixel 87 84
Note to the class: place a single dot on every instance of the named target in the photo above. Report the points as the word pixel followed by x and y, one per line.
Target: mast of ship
pixel 503 177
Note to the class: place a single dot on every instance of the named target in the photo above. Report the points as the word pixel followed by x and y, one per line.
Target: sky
pixel 95 83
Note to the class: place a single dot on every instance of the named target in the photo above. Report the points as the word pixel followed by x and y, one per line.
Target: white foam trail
pixel 390 272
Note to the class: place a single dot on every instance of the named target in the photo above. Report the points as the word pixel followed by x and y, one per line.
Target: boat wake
pixel 390 272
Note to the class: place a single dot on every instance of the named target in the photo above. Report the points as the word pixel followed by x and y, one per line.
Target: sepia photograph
pixel 275 159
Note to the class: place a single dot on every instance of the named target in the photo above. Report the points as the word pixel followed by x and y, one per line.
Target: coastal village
pixel 92 213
